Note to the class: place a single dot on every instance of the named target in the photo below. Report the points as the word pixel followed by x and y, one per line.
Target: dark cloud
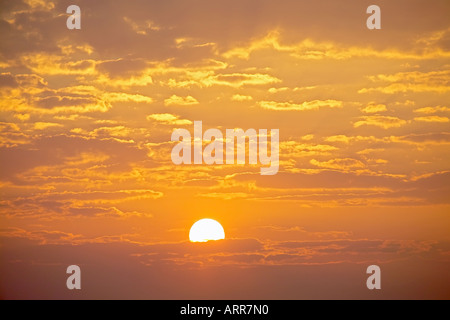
pixel 428 189
pixel 114 270
pixel 61 101
pixel 222 246
pixel 223 22
pixel 48 151
pixel 31 80
pixel 122 67
pixel 35 30
pixel 323 179
pixel 428 137
pixel 8 80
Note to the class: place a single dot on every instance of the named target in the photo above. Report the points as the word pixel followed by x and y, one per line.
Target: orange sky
pixel 86 177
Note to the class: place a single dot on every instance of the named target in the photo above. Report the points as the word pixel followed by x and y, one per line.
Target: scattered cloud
pixel 167 118
pixel 374 108
pixel 240 98
pixel 309 49
pixel 339 164
pixel 416 81
pixel 431 110
pixel 432 119
pixel 45 125
pixel 143 28
pixel 307 105
pixel 385 122
pixel 180 101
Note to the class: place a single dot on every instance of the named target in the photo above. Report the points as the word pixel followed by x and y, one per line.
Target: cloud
pixel 380 247
pixel 99 196
pixel 207 73
pixel 301 231
pixel 167 118
pixel 431 110
pixel 339 164
pixel 42 236
pixel 431 137
pixel 47 154
pixel 180 101
pixel 339 138
pixel 34 96
pixel 121 68
pixel 276 90
pixel 374 108
pixel 292 148
pixel 240 98
pixel 307 105
pixel 126 97
pixel 107 132
pixel 47 64
pixel 143 79
pixel 432 119
pixel 238 80
pixel 308 137
pixel 11 135
pixel 107 212
pixel 55 101
pixel 384 122
pixel 309 49
pixel 67 205
pixel 437 38
pixel 347 182
pixel 206 78
pixel 45 125
pixel 224 195
pixel 8 80
pixel 322 178
pixel 173 270
pixel 142 28
pixel 40 4
pixel 416 81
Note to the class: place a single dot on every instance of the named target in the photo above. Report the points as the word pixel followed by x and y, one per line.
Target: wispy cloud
pixel 168 118
pixel 307 105
pixel 384 122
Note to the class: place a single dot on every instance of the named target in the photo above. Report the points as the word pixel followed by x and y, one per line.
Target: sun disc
pixel 205 230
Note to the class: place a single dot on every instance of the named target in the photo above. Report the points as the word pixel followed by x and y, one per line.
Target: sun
pixel 205 230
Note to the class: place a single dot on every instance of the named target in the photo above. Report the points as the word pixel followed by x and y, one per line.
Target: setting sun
pixel 205 230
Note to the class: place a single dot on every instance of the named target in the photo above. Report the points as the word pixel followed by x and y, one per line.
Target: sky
pixel 86 176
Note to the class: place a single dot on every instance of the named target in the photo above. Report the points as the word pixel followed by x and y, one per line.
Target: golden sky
pixel 86 176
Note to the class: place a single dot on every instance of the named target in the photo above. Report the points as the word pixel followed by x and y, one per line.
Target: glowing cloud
pixel 384 122
pixel 167 118
pixel 307 105
pixel 180 101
